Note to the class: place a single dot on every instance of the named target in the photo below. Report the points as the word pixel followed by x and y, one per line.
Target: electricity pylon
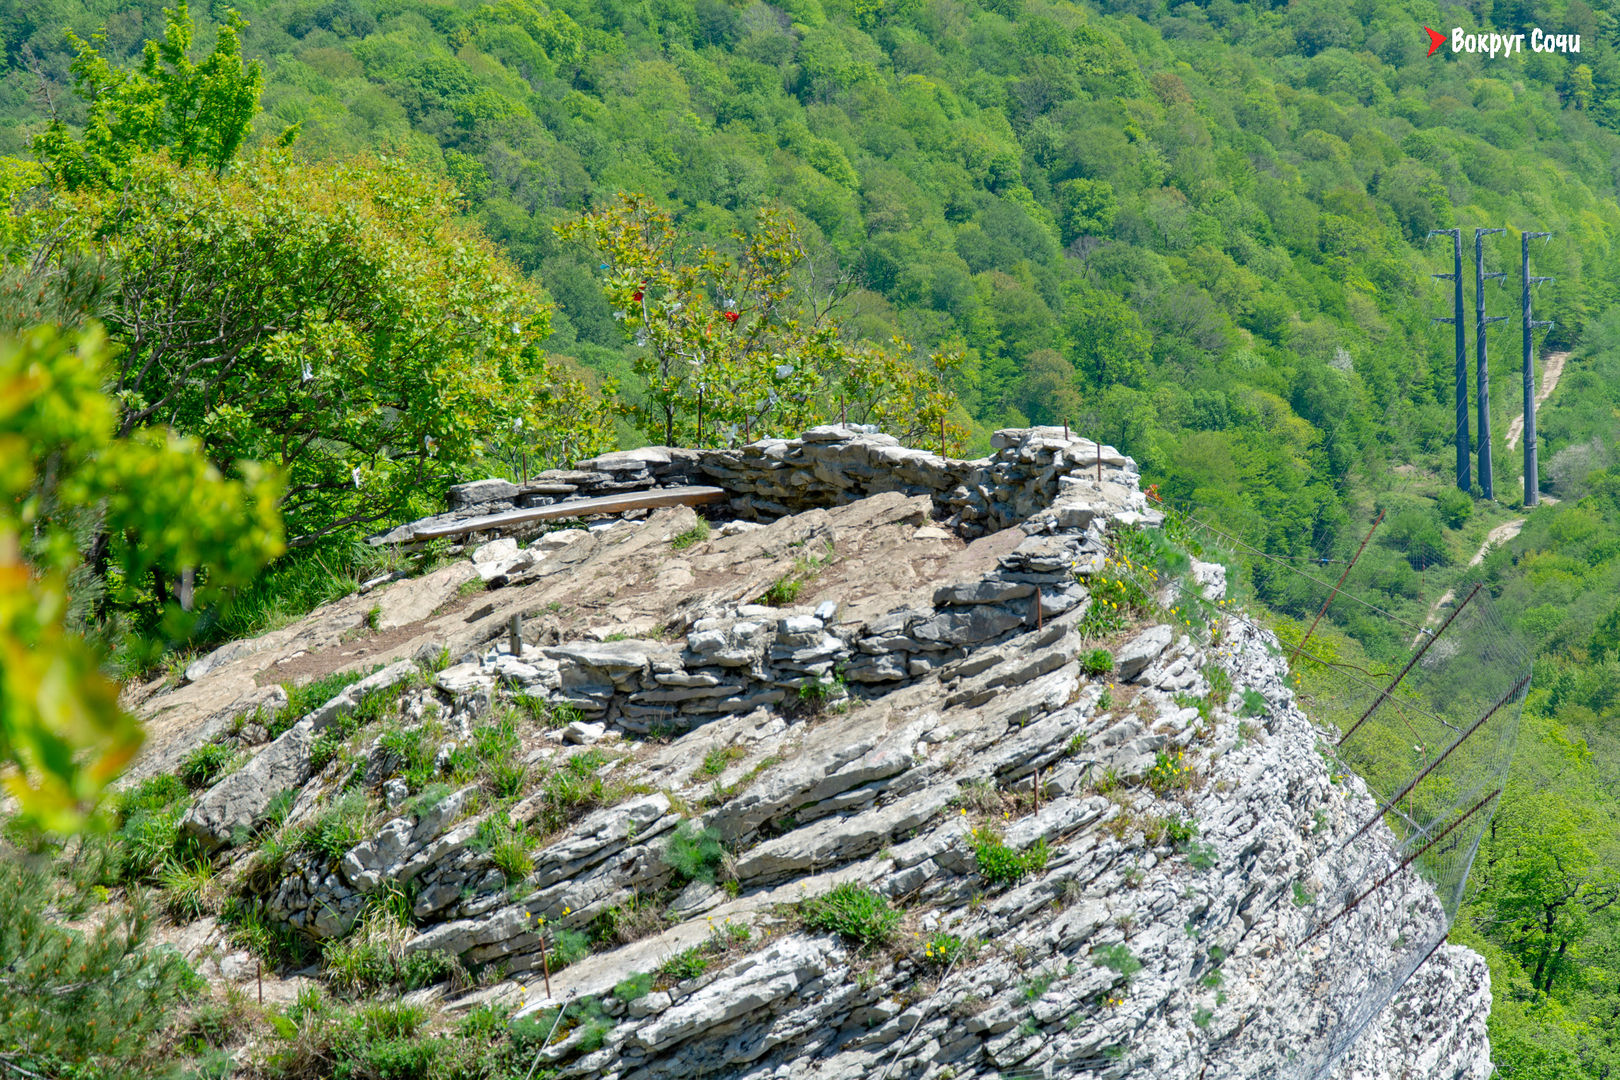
pixel 1482 403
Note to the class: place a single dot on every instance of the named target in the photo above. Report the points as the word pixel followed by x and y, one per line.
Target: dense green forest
pixel 1200 230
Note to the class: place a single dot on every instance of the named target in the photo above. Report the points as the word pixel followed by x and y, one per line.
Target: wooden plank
pixel 606 504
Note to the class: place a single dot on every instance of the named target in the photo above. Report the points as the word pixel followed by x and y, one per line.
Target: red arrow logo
pixel 1435 40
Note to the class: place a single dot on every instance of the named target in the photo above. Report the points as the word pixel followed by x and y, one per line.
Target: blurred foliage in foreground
pixel 63 474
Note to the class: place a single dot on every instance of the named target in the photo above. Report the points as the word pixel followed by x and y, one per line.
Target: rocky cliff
pixel 912 768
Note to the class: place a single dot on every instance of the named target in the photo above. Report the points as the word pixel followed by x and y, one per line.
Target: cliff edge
pixel 902 767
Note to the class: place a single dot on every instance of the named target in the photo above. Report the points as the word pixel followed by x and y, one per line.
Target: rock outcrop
pixel 1030 476
pixel 1111 837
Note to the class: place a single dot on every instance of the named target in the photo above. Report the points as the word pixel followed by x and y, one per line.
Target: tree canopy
pixel 752 344
pixel 1214 217
pixel 338 322
pixel 201 112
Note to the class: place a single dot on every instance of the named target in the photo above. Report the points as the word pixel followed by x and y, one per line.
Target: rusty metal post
pixel 1435 764
pixel 1336 588
pixel 1410 664
pixel 1381 882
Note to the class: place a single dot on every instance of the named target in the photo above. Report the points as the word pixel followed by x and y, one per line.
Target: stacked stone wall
pixel 1030 470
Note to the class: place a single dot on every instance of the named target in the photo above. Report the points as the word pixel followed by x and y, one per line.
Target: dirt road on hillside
pixel 1496 537
pixel 1550 374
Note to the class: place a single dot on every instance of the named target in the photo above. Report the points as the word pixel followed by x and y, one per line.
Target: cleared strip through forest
pixel 1550 375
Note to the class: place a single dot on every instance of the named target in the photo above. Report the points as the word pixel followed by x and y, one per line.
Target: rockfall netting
pixel 1429 730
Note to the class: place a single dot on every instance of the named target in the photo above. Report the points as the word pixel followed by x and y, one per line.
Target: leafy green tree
pixel 1085 208
pixel 1550 866
pixel 1455 507
pixel 1111 346
pixel 1047 393
pixel 62 471
pixel 734 347
pixel 202 112
pixel 1416 534
pixel 1578 88
pixel 338 322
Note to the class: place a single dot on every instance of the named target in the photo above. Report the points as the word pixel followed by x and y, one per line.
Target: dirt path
pixel 1550 373
pixel 1495 538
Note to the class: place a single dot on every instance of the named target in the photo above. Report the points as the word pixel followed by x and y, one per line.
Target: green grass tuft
pixel 719 759
pixel 1000 864
pixel 1097 662
pixel 856 913
pixel 338 828
pixel 695 854
pixel 205 765
pixel 697 534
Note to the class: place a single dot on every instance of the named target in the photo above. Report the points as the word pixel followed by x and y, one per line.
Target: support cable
pixel 1511 695
pixel 1383 695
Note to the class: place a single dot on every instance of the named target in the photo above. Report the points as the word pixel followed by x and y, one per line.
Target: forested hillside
pixel 1202 231
pixel 1199 231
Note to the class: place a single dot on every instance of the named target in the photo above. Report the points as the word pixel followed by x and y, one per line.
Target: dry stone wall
pixel 1031 470
pixel 760 656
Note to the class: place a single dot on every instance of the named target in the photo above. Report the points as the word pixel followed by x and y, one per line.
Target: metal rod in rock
pixel 545 962
pixel 923 1014
pixel 547 1040
pixel 514 636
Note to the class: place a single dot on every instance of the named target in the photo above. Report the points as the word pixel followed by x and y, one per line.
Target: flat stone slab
pixel 568 508
pixel 241 798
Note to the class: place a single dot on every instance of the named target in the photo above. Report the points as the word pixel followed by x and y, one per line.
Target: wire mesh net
pixel 1429 726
